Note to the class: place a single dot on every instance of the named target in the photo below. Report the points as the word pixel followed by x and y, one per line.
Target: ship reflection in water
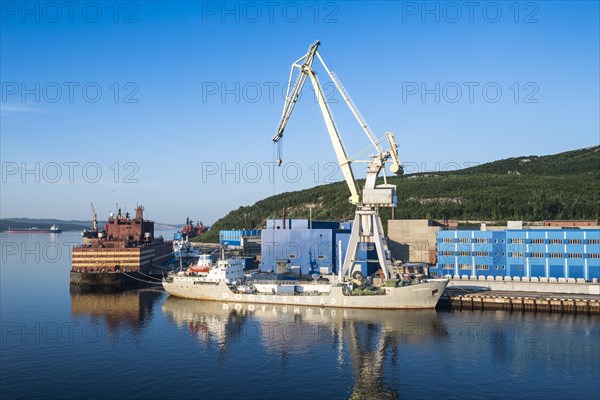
pixel 368 341
pixel 114 307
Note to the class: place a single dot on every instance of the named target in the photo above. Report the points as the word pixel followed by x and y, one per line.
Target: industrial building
pixel 310 246
pixel 552 250
pixel 414 240
pixel 543 253
pixel 305 246
pixel 236 238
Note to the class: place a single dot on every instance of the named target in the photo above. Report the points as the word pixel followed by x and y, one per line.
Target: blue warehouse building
pixel 309 247
pixel 522 253
pixel 236 237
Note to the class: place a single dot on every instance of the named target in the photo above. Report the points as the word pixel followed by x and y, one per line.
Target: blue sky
pixel 173 105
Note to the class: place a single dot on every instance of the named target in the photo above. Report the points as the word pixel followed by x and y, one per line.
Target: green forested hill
pixel 560 186
pixel 573 162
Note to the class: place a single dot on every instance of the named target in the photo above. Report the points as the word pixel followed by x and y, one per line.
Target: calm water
pixel 62 342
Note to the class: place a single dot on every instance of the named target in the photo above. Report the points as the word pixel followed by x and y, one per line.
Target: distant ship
pixel 124 252
pixel 181 245
pixel 35 229
pixel 190 230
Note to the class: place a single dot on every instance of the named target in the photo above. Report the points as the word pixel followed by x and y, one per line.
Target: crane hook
pixel 279 160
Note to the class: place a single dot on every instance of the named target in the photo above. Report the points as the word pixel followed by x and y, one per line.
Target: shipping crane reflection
pixel 366 343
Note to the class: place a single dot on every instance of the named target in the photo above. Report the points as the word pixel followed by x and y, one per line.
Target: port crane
pixel 94 218
pixel 367 227
pixel 94 233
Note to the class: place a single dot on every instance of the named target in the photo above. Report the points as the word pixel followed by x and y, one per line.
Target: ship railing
pixel 284 282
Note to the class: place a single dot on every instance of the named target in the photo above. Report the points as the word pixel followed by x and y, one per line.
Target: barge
pixel 124 252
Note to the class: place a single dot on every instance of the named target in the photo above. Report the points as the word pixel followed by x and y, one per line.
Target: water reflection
pixel 114 307
pixel 369 341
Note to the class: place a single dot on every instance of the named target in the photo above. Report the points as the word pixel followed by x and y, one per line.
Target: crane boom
pixel 291 100
pixel 351 105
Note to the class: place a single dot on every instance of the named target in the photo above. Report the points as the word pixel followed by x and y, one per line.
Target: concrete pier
pixel 535 285
pixel 465 299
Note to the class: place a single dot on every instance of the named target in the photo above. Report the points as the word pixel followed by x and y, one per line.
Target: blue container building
pixel 524 253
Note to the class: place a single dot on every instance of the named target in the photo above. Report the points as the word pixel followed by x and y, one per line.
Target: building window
pixel 555 241
pixel 495 240
pixel 481 240
pixel 464 253
pixel 575 255
pixel 537 241
pixel 447 266
pixel 464 240
pixel 594 255
pixel 321 257
pixel 556 255
pixel 503 267
pixel 465 266
pixel 482 253
pixel 537 255
pixel 496 267
pixel 517 241
pixel 292 256
pixel 594 241
pixel 502 240
pixel 447 253
pixel 517 254
pixel 448 240
pixel 482 267
pixel 575 241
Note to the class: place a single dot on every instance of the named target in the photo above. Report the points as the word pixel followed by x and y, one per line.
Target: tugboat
pixel 124 252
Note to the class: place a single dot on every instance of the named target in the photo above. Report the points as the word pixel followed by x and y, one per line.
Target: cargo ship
pixel 225 281
pixel 35 229
pixel 190 230
pixel 124 252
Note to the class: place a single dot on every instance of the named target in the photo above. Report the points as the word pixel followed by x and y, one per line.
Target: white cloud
pixel 14 109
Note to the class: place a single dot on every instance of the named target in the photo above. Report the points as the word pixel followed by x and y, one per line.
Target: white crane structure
pixel 367 227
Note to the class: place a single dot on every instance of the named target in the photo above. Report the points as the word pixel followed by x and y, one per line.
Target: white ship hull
pixel 423 295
